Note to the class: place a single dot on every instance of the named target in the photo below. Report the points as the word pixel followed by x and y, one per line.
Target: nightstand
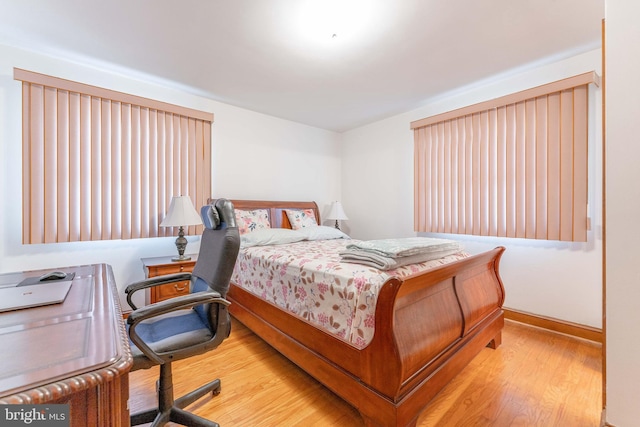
pixel 160 266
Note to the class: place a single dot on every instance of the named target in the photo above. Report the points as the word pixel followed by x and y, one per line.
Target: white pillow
pixel 322 232
pixel 270 236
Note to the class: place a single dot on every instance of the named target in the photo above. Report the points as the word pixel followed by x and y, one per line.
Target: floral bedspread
pixel 308 280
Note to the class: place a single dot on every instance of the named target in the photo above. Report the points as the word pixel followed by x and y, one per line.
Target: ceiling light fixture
pixel 318 22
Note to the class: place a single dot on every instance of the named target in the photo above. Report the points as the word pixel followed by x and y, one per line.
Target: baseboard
pixel 562 326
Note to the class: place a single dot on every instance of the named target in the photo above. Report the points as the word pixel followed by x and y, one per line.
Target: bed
pixel 427 326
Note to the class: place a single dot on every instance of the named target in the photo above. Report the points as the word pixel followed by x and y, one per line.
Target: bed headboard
pixel 277 215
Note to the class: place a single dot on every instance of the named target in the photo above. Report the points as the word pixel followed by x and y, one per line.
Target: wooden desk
pixel 75 353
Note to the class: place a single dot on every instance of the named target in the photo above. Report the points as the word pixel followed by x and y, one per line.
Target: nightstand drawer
pixel 161 270
pixel 161 266
pixel 171 290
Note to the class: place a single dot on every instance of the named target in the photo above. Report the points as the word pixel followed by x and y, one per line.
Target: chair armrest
pixel 151 282
pixel 167 306
pixel 176 303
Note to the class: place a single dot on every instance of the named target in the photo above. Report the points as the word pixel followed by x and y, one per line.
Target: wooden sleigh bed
pixel 428 327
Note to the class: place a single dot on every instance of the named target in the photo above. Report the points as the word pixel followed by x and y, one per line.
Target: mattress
pixel 307 279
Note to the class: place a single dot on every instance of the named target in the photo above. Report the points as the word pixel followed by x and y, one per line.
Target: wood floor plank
pixel 535 378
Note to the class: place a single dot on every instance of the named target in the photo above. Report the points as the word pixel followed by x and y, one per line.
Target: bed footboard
pixel 430 314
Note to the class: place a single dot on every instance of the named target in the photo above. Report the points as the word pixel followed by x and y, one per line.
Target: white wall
pixel 623 211
pixel 559 280
pixel 254 157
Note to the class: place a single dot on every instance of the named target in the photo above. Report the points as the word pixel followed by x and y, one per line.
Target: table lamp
pixel 181 213
pixel 337 213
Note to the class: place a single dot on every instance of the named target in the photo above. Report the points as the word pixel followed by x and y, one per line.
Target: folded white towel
pixel 388 263
pixel 395 248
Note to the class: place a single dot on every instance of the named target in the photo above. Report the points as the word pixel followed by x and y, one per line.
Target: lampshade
pixel 181 212
pixel 337 212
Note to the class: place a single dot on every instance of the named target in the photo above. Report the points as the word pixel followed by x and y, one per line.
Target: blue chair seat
pixel 172 331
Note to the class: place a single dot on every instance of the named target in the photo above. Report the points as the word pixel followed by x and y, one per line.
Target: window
pixel 100 164
pixel 515 166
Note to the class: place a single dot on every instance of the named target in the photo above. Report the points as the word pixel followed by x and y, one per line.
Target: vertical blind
pixel 100 164
pixel 515 166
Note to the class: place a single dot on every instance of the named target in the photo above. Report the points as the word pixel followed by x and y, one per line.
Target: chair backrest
pixel 219 248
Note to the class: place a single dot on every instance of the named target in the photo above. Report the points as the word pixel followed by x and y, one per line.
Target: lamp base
pixel 181 244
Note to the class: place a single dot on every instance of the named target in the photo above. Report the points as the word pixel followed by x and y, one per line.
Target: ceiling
pixel 280 57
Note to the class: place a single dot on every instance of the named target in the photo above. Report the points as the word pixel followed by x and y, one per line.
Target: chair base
pixel 170 410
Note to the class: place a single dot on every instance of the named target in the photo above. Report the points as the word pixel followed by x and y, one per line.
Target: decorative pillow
pixel 249 221
pixel 301 218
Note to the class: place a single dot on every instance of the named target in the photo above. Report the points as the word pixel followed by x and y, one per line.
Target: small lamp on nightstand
pixel 181 213
pixel 337 213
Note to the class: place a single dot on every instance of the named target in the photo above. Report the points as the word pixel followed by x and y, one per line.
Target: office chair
pixel 188 325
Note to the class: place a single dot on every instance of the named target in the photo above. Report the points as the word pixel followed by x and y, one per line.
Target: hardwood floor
pixel 535 378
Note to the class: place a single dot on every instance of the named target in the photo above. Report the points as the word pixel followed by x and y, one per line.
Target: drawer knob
pixel 182 268
pixel 179 288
